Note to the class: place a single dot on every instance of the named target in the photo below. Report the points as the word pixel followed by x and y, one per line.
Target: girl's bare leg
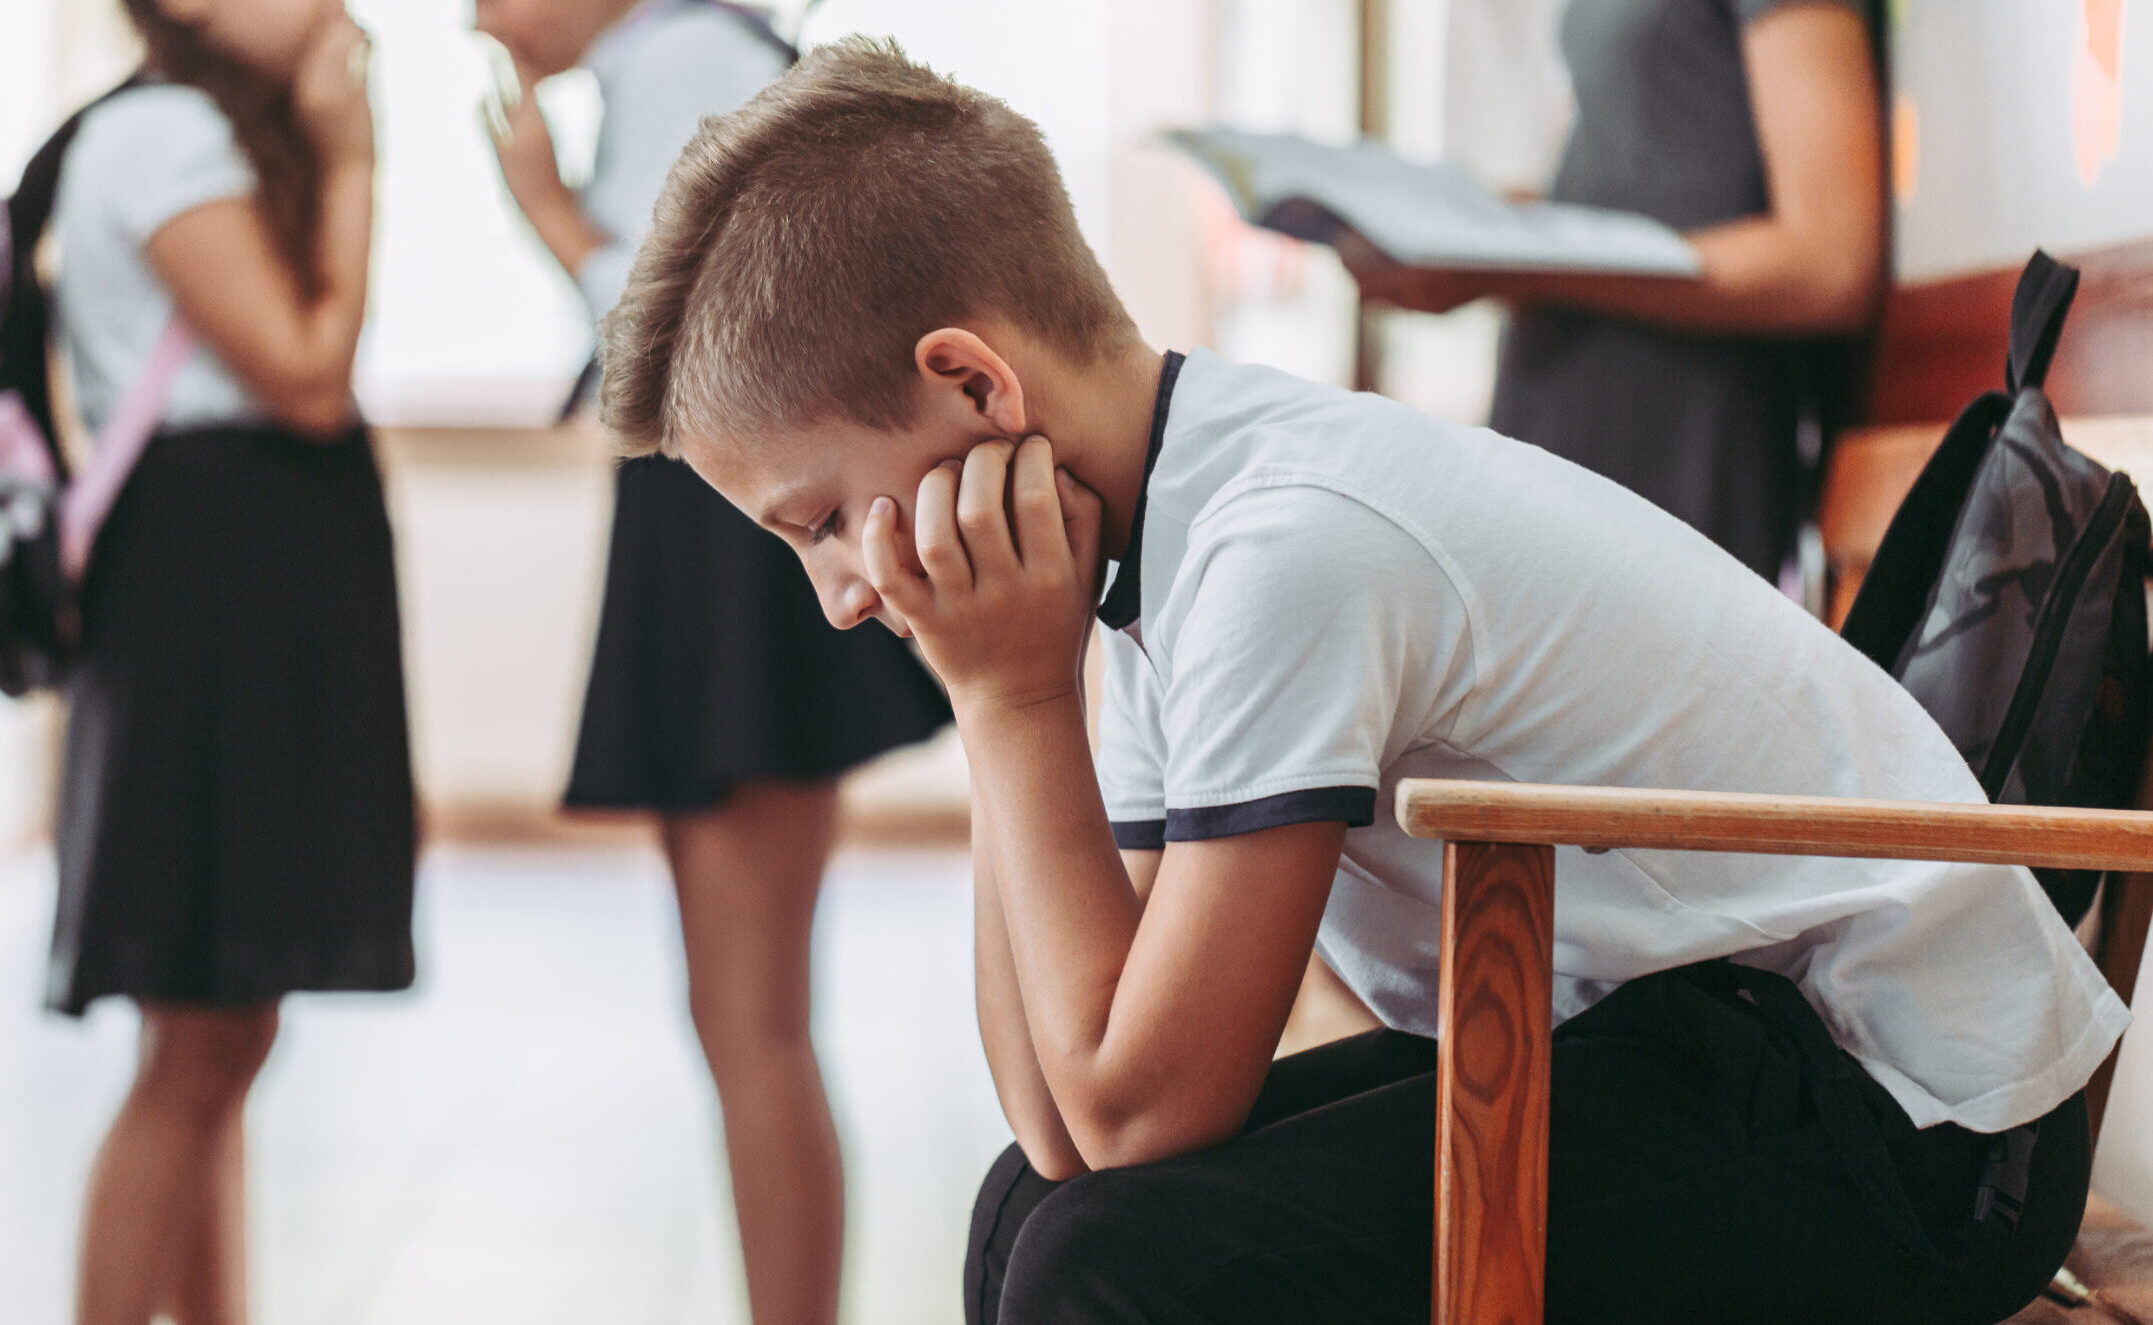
pixel 163 1178
pixel 747 875
pixel 209 1286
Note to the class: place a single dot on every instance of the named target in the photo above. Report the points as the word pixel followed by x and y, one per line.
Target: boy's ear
pixel 953 359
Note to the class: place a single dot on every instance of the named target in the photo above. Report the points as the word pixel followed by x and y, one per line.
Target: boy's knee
pixel 1087 1253
pixel 1007 1196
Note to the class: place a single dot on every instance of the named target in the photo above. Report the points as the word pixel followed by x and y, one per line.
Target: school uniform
pixel 714 662
pixel 1773 1075
pixel 235 816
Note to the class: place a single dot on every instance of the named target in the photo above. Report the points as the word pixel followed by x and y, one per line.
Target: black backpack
pixel 2009 594
pixel 37 620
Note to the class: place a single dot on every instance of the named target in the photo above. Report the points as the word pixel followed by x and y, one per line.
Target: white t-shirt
pixel 660 70
pixel 1328 592
pixel 139 160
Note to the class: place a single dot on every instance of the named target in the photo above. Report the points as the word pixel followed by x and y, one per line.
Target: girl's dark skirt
pixel 236 818
pixel 715 664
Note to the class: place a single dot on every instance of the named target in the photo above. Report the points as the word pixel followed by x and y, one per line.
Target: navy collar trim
pixel 1124 600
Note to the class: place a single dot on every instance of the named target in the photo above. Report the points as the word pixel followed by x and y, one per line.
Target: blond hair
pixel 805 242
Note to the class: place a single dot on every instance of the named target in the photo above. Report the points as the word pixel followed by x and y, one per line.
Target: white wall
pixel 2018 127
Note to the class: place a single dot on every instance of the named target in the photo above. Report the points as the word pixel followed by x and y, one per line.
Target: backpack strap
pixel 1895 594
pixel 2043 299
pixel 24 326
pixel 86 501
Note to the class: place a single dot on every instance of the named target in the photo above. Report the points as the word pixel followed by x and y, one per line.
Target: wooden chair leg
pixel 1493 1083
pixel 2126 913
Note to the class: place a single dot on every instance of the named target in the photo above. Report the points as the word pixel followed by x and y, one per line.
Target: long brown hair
pixel 263 123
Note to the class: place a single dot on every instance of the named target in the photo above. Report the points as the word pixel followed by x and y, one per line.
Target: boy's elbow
pixel 1054 1165
pixel 1048 1148
pixel 1146 1136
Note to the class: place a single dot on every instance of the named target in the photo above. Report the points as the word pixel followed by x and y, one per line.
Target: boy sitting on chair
pixel 866 316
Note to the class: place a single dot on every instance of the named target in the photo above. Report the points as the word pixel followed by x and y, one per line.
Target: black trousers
pixel 1704 1166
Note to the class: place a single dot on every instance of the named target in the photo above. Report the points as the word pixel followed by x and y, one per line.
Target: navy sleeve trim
pixel 1140 834
pixel 1355 805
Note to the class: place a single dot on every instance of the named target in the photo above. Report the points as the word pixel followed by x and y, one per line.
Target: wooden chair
pixel 1497 946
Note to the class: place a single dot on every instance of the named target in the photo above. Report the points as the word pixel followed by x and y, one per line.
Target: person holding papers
pixel 1754 128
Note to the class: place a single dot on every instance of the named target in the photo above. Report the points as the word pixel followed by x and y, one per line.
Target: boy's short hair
pixel 805 242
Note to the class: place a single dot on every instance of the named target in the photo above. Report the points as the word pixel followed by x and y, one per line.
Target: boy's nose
pixel 849 602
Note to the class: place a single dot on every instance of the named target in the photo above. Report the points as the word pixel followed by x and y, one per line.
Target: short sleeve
pixel 1131 764
pixel 155 152
pixel 1314 640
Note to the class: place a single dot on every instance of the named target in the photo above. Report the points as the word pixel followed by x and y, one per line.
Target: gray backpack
pixel 2009 594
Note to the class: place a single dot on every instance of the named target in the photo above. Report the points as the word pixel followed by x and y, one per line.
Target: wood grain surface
pixel 1619 817
pixel 1492 1083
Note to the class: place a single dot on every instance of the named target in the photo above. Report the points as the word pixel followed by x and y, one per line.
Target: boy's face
pixel 813 487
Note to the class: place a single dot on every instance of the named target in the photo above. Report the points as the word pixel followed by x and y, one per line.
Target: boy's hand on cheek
pixel 1003 608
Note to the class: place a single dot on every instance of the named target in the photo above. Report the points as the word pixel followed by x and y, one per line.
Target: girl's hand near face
pixel 524 146
pixel 1003 608
pixel 329 94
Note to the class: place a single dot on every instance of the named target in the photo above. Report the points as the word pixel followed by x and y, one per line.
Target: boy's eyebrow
pixel 785 498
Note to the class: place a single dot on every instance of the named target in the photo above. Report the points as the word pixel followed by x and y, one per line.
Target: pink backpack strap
pixel 88 500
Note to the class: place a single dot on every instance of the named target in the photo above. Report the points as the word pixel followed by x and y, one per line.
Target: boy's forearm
pixel 1022 1088
pixel 1064 896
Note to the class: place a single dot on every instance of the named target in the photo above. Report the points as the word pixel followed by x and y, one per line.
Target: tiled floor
pixel 528 1137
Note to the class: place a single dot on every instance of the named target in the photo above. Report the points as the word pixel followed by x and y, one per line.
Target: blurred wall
pixel 2019 124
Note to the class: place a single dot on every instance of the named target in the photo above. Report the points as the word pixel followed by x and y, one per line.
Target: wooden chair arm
pixel 1618 817
pixel 1498 914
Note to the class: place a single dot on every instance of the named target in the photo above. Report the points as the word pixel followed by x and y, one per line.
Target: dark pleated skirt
pixel 715 665
pixel 236 817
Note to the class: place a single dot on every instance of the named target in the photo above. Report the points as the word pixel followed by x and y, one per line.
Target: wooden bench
pixel 1498 942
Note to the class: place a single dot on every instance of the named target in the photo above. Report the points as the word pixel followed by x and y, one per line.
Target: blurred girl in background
pixel 720 699
pixel 235 814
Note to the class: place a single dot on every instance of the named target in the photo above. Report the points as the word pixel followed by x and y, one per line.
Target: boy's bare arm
pixel 1027 1102
pixel 1154 1026
pixel 1153 1022
pixel 1019 1083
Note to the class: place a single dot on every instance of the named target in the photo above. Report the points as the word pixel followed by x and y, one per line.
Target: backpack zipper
pixel 2049 627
